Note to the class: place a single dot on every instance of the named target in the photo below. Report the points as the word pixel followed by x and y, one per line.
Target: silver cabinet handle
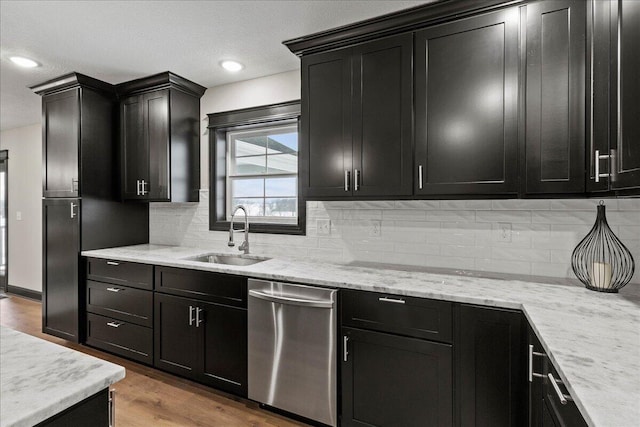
pixel 116 290
pixel 137 187
pixel 114 324
pixel 112 263
pixel 597 158
pixel 346 180
pixel 74 184
pixel 564 398
pixel 198 319
pixel 531 354
pixel 73 212
pixel 112 408
pixel 281 299
pixel 393 300
pixel 191 319
pixel 420 177
pixel 143 188
pixel 356 180
pixel 345 352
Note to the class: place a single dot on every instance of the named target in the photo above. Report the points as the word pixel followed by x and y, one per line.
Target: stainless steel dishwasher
pixel 292 348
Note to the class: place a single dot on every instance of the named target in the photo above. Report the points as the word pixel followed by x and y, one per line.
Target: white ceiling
pixel 116 41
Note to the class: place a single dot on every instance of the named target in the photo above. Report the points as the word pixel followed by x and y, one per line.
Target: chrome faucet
pixel 245 245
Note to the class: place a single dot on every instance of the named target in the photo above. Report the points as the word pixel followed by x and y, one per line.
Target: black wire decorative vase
pixel 600 260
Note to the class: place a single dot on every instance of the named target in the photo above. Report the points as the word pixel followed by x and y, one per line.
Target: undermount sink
pixel 228 259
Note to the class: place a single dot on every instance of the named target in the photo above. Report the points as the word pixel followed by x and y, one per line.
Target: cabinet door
pixel 325 131
pixel 134 146
pixel 389 380
pixel 60 291
pixel 224 353
pixel 490 369
pixel 467 106
pixel 555 101
pixel 61 139
pixel 156 128
pixel 625 92
pixel 175 335
pixel 382 117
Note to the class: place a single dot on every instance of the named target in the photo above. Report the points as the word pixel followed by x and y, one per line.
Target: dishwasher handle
pixel 289 300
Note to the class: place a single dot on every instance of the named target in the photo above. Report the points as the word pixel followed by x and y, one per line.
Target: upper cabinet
pixel 555 96
pixel 466 106
pixel 509 99
pixel 78 155
pixel 160 138
pixel 356 126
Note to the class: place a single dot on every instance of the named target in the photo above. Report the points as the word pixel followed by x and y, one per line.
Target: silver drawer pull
pixel 112 263
pixel 393 300
pixel 345 351
pixel 112 408
pixel 114 324
pixel 115 289
pixel 531 354
pixel 564 398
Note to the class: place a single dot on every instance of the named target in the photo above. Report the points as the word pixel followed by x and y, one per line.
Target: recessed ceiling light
pixel 24 62
pixel 232 66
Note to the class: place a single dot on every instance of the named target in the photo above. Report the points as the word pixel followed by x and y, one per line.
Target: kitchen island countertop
pixel 592 338
pixel 39 379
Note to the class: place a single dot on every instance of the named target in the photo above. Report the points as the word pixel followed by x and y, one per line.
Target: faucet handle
pixel 231 244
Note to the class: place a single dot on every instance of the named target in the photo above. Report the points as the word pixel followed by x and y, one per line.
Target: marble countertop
pixel 593 339
pixel 39 379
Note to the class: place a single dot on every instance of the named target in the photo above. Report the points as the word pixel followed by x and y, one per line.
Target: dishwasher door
pixel 292 348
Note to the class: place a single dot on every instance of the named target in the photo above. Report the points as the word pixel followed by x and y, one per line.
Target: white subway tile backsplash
pixel 456 234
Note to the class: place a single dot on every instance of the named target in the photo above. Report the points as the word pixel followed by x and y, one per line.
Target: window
pixel 254 163
pixel 262 173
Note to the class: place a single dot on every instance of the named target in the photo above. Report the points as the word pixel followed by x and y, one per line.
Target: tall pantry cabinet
pixel 80 208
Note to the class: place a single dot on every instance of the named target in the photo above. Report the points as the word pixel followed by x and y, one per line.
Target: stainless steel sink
pixel 228 259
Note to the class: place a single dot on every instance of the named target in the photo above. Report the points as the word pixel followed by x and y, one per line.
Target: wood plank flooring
pixel 148 397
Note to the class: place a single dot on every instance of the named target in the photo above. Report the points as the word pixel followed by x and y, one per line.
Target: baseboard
pixel 24 292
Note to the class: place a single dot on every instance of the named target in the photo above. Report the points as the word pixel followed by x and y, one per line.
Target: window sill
pixel 294 229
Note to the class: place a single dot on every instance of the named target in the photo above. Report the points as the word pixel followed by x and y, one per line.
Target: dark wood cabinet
pixel 555 96
pixel 546 409
pixel 466 106
pixel 61 247
pixel 160 138
pixel 490 368
pixel 396 378
pixel 203 338
pixel 357 120
pixel 94 411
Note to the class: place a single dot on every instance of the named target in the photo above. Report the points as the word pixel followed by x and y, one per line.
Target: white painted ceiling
pixel 116 41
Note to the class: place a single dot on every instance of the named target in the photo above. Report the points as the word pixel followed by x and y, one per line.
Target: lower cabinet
pixel 94 411
pixel 203 341
pixel 390 380
pixel 490 368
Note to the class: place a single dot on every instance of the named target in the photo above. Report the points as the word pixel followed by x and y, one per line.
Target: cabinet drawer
pixel 213 287
pixel 121 302
pixel 122 338
pixel 120 273
pixel 415 317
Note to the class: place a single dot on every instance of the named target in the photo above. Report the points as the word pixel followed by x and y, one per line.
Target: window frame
pixel 286 113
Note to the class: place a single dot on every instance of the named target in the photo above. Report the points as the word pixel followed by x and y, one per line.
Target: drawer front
pixel 213 287
pixel 122 338
pixel 120 302
pixel 120 272
pixel 414 317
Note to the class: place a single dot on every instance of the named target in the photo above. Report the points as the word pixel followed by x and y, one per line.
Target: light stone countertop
pixel 592 338
pixel 39 379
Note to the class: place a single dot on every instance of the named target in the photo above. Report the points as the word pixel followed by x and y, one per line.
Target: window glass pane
pixel 253 165
pixel 283 143
pixel 282 163
pixel 282 206
pixel 249 145
pixel 278 187
pixel 254 207
pixel 247 188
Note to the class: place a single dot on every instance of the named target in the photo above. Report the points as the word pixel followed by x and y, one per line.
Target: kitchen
pixel 468 222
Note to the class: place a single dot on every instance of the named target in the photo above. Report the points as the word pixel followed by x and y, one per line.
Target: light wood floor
pixel 148 397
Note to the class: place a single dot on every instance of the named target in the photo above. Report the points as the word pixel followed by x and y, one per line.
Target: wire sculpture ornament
pixel 601 261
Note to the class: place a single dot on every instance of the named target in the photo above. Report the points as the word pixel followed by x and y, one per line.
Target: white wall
pixel 25 196
pixel 249 93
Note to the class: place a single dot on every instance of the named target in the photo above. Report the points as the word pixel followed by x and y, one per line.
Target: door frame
pixel 4 283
